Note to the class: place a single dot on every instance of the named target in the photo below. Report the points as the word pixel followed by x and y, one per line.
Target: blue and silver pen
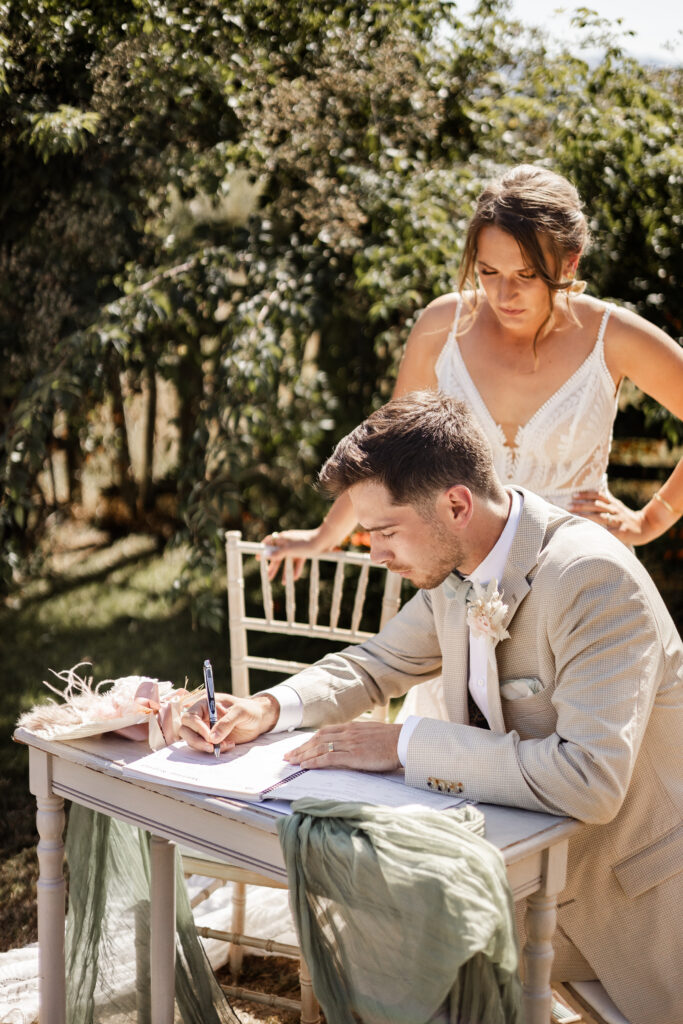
pixel 211 701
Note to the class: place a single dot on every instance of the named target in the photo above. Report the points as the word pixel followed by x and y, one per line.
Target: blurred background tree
pixel 249 206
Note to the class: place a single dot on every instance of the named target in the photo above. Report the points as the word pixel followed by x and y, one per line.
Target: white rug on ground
pixel 267 917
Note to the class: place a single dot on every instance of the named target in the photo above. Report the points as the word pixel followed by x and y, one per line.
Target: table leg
pixel 239 911
pixel 51 909
pixel 538 957
pixel 310 1011
pixel 162 943
pixel 540 922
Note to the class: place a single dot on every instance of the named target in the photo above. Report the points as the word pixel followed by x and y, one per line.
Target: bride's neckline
pixel 521 428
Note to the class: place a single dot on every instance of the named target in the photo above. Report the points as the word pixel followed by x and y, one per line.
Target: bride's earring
pixel 577 286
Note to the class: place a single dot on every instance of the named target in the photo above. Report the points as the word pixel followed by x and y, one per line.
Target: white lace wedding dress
pixel 563 448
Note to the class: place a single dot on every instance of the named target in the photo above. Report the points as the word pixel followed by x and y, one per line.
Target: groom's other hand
pixel 366 746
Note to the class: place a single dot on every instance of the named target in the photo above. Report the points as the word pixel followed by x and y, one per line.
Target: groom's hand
pixel 240 719
pixel 367 746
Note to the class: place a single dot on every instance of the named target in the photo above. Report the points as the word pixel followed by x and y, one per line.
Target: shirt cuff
pixel 406 732
pixel 291 707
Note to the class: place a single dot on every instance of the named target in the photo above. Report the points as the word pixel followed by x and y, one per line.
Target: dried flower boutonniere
pixel 486 611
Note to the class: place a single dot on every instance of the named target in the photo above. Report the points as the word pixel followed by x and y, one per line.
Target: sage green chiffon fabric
pixel 108 931
pixel 402 916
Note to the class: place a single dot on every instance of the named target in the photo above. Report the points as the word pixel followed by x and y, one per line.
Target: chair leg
pixel 239 902
pixel 310 1011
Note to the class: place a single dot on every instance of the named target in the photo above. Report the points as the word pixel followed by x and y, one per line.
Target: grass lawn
pixel 110 607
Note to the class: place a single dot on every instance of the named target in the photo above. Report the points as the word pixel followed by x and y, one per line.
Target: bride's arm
pixel 646 355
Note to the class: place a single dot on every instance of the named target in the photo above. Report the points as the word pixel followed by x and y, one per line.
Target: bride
pixel 540 364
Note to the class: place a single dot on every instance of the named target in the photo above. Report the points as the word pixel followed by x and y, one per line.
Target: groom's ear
pixel 459 505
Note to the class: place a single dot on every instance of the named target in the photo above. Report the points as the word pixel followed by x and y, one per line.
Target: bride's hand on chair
pixel 296 544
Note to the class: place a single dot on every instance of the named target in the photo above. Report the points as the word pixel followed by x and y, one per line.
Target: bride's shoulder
pixel 442 311
pixel 586 313
pixel 585 303
pixel 591 311
pixel 432 328
pixel 450 300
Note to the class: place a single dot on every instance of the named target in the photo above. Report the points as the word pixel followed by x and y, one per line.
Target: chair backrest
pixel 300 614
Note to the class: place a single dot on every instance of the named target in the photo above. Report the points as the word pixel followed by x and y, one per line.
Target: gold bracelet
pixel 667 506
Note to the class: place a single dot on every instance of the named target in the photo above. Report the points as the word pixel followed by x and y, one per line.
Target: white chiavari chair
pixel 327 604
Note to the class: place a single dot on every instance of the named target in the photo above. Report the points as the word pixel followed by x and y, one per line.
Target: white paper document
pixel 361 787
pixel 257 771
pixel 247 772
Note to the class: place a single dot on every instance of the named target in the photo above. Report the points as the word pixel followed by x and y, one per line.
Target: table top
pixel 516 832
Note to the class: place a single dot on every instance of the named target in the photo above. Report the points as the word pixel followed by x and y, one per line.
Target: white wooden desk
pixel 534 847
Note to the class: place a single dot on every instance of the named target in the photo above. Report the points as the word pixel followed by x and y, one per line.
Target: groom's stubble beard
pixel 443 554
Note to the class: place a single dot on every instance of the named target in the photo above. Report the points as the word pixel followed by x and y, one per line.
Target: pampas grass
pixel 86 709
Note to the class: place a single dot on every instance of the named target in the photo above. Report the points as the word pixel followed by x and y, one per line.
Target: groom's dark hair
pixel 416 446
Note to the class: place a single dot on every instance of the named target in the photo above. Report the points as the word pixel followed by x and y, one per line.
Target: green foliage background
pixel 253 201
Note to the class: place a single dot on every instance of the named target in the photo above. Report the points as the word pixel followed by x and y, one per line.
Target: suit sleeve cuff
pixel 291 707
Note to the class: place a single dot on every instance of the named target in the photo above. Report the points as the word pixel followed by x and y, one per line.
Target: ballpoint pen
pixel 211 701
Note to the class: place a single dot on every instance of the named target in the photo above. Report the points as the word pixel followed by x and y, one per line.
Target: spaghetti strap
pixel 453 333
pixel 446 354
pixel 599 341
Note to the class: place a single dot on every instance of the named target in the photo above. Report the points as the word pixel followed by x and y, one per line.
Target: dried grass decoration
pixel 137 707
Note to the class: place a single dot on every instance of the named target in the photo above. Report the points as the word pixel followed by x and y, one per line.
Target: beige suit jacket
pixel 600 742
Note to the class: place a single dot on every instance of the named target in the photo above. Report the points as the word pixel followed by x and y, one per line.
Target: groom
pixel 563 650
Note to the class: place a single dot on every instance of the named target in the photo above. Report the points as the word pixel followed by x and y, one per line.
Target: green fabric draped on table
pixel 399 913
pixel 108 931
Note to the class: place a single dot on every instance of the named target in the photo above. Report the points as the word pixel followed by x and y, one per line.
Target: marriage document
pixel 257 771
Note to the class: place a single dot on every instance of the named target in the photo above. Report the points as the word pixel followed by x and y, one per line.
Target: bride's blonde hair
pixel 535 206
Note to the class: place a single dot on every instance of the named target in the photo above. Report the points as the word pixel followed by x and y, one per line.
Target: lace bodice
pixel 565 445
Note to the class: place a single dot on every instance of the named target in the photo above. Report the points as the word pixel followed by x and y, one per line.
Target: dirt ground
pixel 273 975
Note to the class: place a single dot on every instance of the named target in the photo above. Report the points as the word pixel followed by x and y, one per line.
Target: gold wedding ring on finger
pixel 330 747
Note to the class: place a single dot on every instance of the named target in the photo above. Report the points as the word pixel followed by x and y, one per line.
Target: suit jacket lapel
pixel 524 553
pixel 457 637
pixel 515 585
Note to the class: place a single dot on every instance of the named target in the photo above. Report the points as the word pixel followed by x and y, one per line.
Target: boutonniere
pixel 486 611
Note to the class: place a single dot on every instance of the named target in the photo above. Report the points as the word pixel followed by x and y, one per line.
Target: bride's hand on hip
pixel 627 524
